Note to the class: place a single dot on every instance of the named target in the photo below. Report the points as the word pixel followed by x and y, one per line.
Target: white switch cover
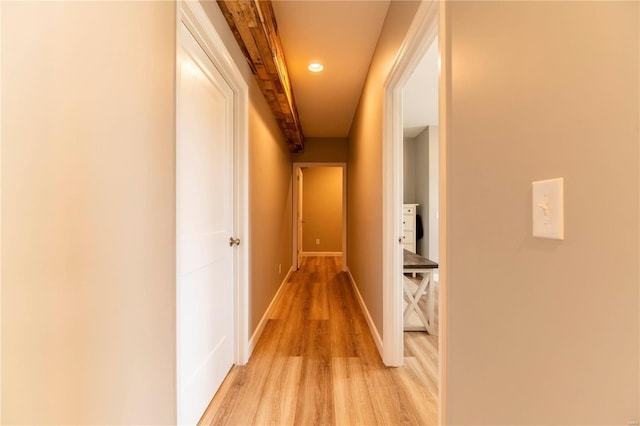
pixel 548 209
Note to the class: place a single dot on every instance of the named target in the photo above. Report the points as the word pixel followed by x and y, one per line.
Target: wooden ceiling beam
pixel 254 26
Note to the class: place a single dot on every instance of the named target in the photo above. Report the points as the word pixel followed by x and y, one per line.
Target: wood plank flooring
pixel 317 364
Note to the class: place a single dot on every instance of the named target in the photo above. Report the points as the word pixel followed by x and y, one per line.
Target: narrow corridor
pixel 316 363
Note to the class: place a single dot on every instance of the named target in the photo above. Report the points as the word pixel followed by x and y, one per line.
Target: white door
pixel 299 220
pixel 205 274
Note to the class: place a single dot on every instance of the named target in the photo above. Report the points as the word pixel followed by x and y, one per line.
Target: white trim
pixel 294 203
pixel 1 422
pixel 197 21
pixel 372 327
pixel 320 253
pixel 193 16
pixel 297 176
pixel 421 34
pixel 344 218
pixel 428 22
pixel 443 270
pixel 319 164
pixel 263 322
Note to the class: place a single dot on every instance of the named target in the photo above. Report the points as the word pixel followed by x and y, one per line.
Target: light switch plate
pixel 548 209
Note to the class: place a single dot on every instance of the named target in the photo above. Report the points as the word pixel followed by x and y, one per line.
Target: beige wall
pixel 421 164
pixel 542 331
pixel 323 150
pixel 322 209
pixel 88 213
pixel 270 186
pixel 270 206
pixel 364 180
pixel 88 210
pixel 409 170
pixel 432 213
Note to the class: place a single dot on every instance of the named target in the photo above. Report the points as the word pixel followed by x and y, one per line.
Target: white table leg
pixel 425 288
pixel 431 303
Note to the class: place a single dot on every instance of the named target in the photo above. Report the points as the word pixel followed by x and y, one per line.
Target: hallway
pixel 316 363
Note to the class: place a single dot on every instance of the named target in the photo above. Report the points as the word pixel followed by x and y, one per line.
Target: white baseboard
pixel 263 322
pixel 365 311
pixel 320 253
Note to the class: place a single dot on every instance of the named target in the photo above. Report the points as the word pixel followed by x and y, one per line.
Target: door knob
pixel 234 241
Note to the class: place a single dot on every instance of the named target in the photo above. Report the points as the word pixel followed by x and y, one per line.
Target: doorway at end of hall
pixel 319 211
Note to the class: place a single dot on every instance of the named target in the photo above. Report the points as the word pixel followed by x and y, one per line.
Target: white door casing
pixel 429 22
pixel 205 214
pixel 299 216
pixel 192 14
pixel 196 20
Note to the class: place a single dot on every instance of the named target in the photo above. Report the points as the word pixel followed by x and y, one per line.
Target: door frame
pixel 196 20
pixel 299 176
pixel 294 205
pixel 429 22
pixel 1 218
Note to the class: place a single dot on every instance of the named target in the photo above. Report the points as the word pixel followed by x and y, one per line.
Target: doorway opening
pixel 319 211
pixel 420 192
pixel 426 31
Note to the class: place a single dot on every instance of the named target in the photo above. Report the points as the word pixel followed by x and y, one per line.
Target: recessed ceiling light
pixel 315 67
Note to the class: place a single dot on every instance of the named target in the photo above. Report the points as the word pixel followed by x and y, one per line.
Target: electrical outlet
pixel 317 241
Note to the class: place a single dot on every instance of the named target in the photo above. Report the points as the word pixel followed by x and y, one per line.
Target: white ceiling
pixel 420 95
pixel 342 35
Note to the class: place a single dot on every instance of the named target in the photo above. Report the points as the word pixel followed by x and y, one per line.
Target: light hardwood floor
pixel 317 364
